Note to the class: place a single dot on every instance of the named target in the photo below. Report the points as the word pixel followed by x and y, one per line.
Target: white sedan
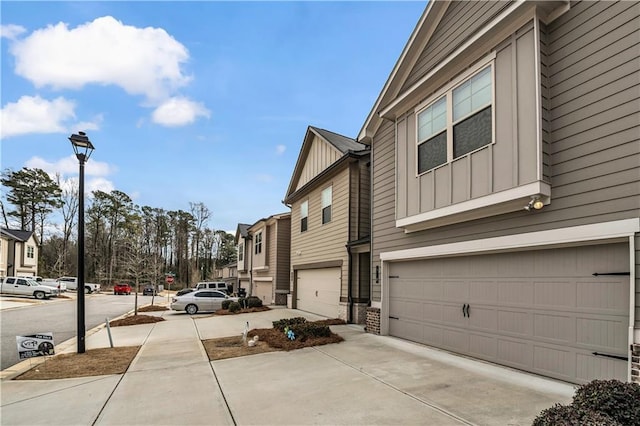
pixel 201 300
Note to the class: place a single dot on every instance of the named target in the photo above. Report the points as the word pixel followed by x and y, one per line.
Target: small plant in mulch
pixel 135 320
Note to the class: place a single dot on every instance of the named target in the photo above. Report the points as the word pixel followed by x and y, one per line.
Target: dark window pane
pixel 472 133
pixel 432 152
pixel 326 214
pixel 303 224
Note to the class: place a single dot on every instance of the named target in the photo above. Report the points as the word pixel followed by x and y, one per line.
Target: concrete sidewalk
pixel 366 379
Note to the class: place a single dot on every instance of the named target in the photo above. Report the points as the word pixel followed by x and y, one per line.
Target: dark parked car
pixel 184 291
pixel 149 290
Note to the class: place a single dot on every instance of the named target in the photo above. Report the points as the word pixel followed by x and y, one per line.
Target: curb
pixel 61 348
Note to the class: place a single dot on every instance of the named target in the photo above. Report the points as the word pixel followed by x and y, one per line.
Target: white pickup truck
pixel 72 284
pixel 18 286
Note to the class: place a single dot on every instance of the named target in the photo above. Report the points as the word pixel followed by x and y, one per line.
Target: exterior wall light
pixel 535 203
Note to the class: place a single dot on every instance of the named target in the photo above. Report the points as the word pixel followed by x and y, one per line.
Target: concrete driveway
pixel 366 379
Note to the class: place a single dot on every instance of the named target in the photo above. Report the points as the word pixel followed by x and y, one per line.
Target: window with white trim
pixel 257 243
pixel 240 252
pixel 457 123
pixel 304 216
pixel 326 204
pixel 30 252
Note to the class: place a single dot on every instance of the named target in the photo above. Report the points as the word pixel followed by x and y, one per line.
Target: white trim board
pixel 594 232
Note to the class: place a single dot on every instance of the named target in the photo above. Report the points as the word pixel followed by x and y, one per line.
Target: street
pixel 58 316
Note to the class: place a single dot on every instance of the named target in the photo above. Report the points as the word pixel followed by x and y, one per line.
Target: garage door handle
pixel 465 310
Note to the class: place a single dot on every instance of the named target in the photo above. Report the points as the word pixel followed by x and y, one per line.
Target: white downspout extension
pixel 632 301
pixel 384 300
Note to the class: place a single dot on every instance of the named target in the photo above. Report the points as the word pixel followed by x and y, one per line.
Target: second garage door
pixel 542 311
pixel 318 291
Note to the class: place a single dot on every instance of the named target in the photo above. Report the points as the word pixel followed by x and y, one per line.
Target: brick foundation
pixel 635 363
pixel 373 321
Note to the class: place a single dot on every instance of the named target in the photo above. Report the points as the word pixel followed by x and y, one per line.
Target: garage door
pixel 542 311
pixel 318 291
pixel 263 291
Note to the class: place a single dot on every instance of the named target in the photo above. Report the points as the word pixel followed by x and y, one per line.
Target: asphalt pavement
pixel 366 379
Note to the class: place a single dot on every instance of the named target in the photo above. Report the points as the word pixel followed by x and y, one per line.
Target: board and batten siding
pixel 510 162
pixel 321 155
pixel 593 123
pixel 323 242
pixel 461 20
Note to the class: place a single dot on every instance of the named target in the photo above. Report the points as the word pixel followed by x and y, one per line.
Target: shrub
pixel 310 329
pixel 225 304
pixel 618 400
pixel 234 307
pixel 288 322
pixel 254 302
pixel 570 416
pixel 242 302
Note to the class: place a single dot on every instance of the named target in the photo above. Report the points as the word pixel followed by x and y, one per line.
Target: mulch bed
pixel 135 320
pixel 242 311
pixel 153 308
pixel 94 362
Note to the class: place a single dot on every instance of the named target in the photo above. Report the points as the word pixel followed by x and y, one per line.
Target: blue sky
pixel 191 101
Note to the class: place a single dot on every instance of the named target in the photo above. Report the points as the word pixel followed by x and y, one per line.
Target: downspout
pixel 632 301
pixel 349 259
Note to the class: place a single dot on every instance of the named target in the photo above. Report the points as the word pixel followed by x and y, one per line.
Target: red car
pixel 122 288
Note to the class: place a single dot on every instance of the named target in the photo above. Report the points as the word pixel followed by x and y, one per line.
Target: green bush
pixel 310 329
pixel 234 307
pixel 618 400
pixel 242 302
pixel 225 304
pixel 570 416
pixel 254 302
pixel 288 322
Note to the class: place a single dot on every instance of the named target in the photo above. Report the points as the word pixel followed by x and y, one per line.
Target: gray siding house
pixel 330 226
pixel 506 187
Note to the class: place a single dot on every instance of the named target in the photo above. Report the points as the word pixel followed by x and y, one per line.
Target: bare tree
pixel 69 211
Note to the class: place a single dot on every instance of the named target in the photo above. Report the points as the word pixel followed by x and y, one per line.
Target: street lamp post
pixel 83 148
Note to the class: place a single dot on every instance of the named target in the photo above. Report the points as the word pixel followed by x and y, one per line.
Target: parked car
pixel 61 286
pixel 72 284
pixel 149 290
pixel 121 288
pixel 185 291
pixel 18 286
pixel 200 301
pixel 212 285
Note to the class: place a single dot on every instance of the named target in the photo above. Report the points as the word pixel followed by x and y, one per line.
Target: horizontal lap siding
pixel 323 243
pixel 593 151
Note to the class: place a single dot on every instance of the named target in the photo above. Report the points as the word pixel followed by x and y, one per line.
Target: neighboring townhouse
pixel 506 187
pixel 270 258
pixel 243 246
pixel 18 253
pixel 329 199
pixel 230 276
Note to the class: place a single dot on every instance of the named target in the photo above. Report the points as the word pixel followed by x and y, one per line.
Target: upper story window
pixel 30 252
pixel 457 123
pixel 304 216
pixel 241 252
pixel 326 204
pixel 257 243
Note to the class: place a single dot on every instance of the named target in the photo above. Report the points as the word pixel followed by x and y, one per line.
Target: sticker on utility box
pixel 40 344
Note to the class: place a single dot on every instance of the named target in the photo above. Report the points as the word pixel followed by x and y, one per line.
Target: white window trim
pixel 322 206
pixel 255 246
pixel 302 217
pixel 447 92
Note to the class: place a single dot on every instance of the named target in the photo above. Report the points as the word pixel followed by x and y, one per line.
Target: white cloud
pixel 280 149
pixel 69 166
pixel 179 111
pixel 32 114
pixel 99 184
pixel 105 51
pixel 11 31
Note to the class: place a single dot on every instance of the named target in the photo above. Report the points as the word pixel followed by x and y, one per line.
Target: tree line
pixel 123 241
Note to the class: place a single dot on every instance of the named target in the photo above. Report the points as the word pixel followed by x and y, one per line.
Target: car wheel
pixel 191 309
pixel 40 295
pixel 87 290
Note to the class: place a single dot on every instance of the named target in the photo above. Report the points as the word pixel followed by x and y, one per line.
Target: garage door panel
pixel 409 330
pixel 548 323
pixel 605 297
pixel 318 291
pixel 515 293
pixel 515 322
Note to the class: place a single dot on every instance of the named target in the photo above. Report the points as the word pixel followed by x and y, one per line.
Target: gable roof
pixel 242 231
pixel 16 234
pixel 343 144
pixel 419 38
pixel 277 216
